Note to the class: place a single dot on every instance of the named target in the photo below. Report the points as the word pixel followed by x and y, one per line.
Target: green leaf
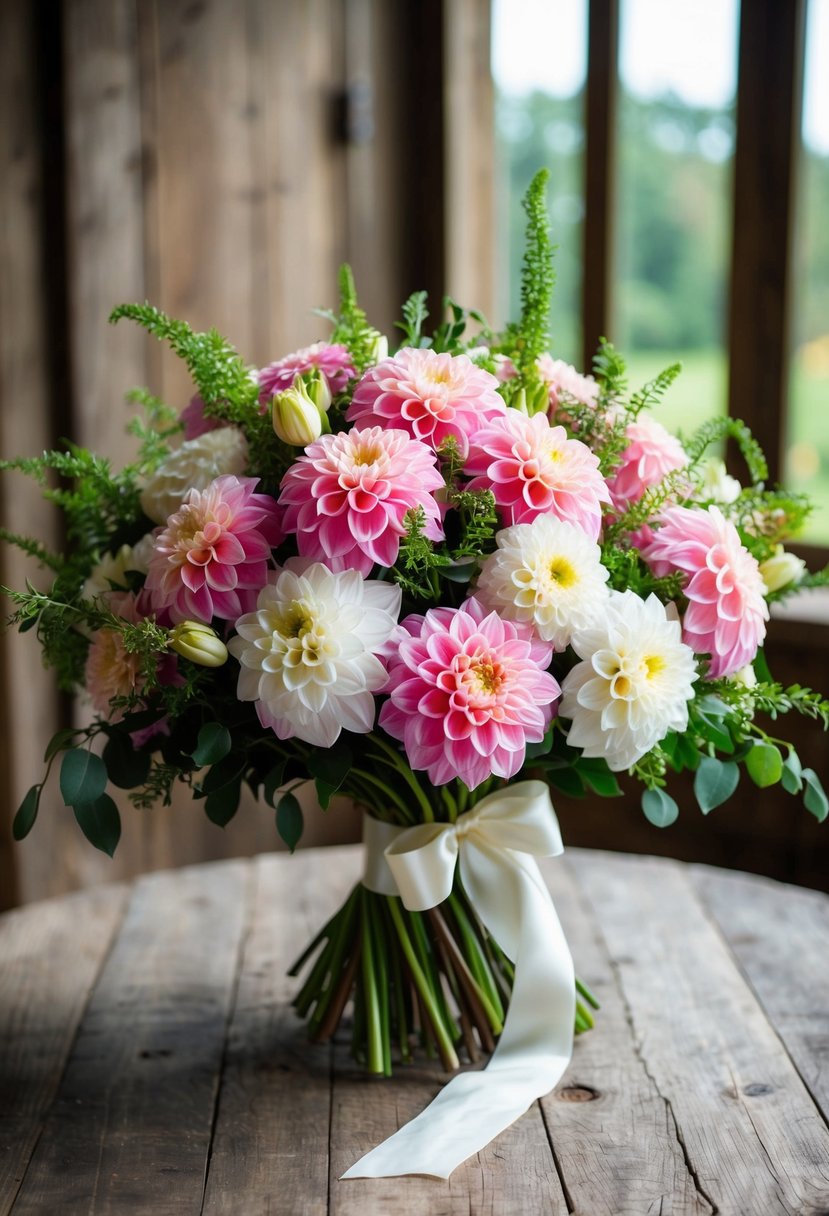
pixel 568 780
pixel 764 764
pixel 761 667
pixel 26 813
pixel 58 742
pixel 83 777
pixel 599 778
pixel 715 781
pixel 222 804
pixel 213 744
pixel 127 767
pixel 792 778
pixel 534 750
pixel 273 780
pixel 226 772
pixel 289 822
pixel 100 822
pixel 660 808
pixel 686 753
pixel 815 799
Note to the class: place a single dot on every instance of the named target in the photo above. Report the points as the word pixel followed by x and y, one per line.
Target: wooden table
pixel 150 1063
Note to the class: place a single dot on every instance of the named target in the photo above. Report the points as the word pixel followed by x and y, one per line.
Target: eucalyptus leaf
pixel 815 799
pixel 659 808
pixel 26 815
pixel 59 741
pixel 213 744
pixel 222 804
pixel 100 823
pixel 714 782
pixel 289 822
pixel 127 767
pixel 764 764
pixel 792 778
pixel 273 780
pixel 83 777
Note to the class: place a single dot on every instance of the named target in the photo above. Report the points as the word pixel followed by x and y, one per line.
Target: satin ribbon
pixel 494 844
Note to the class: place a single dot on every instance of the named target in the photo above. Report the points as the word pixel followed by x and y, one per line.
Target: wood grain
pixel 50 956
pixel 612 1132
pixel 752 1136
pixel 784 959
pixel 272 1128
pixel 134 1111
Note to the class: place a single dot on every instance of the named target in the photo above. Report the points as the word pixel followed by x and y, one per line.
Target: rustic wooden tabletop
pixel 150 1061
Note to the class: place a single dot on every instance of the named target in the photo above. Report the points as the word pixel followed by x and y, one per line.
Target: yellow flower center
pixel 654 663
pixel 563 572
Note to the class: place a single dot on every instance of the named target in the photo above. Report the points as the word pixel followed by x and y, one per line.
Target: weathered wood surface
pixel 150 1060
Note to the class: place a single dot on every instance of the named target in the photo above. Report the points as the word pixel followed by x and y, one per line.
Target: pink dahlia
pixel 651 454
pixel 348 496
pixel 432 396
pixel 331 358
pixel 562 378
pixel 211 557
pixel 195 421
pixel 111 670
pixel 469 691
pixel 533 469
pixel 727 611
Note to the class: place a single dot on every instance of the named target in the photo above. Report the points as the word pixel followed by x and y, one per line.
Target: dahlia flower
pixel 111 670
pixel 547 573
pixel 192 467
pixel 727 612
pixel 211 558
pixel 651 453
pixel 194 420
pixel 633 683
pixel 533 469
pixel 331 358
pixel 561 377
pixel 468 692
pixel 309 653
pixel 432 396
pixel 348 496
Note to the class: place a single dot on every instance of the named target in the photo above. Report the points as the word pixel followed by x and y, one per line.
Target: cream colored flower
pixel 781 569
pixel 193 466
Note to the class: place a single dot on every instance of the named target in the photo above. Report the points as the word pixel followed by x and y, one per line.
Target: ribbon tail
pixel 537 1040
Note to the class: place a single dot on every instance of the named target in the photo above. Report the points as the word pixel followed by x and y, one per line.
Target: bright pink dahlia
pixel 331 358
pixel 533 469
pixel 347 497
pixel 430 395
pixel 211 557
pixel 196 422
pixel 727 611
pixel 468 692
pixel 652 452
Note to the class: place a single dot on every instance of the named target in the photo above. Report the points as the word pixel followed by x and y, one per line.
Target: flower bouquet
pixel 442 581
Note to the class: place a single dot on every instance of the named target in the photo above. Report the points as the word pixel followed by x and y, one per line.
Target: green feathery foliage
pixel 162 422
pixel 646 507
pixel 537 281
pixel 766 518
pixel 478 523
pixel 650 395
pixel 610 370
pixel 351 326
pixel 223 380
pixel 626 569
pixel 418 560
pixel 415 315
pixel 717 429
pixel 448 335
pixel 32 548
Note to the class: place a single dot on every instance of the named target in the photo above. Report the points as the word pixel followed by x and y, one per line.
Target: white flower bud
pixel 745 676
pixel 198 643
pixel 718 485
pixel 297 419
pixel 781 569
pixel 380 348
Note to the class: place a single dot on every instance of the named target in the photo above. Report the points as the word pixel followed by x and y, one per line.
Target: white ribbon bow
pixel 493 844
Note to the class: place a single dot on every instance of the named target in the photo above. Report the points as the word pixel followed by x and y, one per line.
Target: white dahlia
pixel 633 684
pixel 193 466
pixel 548 573
pixel 308 653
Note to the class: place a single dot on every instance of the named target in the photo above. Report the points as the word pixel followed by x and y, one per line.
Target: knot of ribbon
pixel 495 845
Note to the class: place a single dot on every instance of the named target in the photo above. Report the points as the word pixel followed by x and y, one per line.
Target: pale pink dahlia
pixel 348 496
pixel 331 358
pixel 432 396
pixel 211 557
pixel 727 611
pixel 533 469
pixel 651 454
pixel 562 378
pixel 468 692
pixel 112 671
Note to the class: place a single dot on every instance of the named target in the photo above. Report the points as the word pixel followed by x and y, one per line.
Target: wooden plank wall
pixel 220 158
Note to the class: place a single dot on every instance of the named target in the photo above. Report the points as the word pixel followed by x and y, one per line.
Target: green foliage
pixel 218 372
pixel 214 743
pixel 647 507
pixel 659 808
pixel 415 315
pixel 650 395
pixel 351 326
pixel 162 422
pixel 418 560
pixel 714 782
pixel 537 281
pixel 626 569
pixel 718 429
pixel 609 370
pixel 289 820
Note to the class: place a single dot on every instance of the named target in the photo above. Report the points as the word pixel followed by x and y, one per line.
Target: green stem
pixel 380 948
pixel 388 792
pixel 340 942
pixel 584 991
pixel 408 776
pixel 446 1046
pixel 478 965
pixel 374 1033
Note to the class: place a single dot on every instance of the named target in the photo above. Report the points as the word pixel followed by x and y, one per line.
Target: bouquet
pixel 442 580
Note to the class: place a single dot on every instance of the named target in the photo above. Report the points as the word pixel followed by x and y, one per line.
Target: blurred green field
pixel 701 390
